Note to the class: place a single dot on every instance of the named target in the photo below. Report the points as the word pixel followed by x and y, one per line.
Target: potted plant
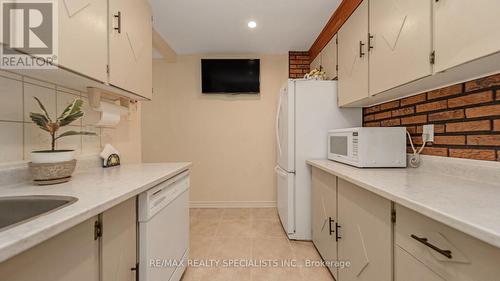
pixel 55 166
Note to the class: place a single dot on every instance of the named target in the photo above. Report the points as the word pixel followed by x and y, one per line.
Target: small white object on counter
pixel 97 190
pixel 463 194
pixel 107 152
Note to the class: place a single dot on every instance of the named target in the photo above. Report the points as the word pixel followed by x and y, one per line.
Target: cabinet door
pixel 316 63
pixel 366 235
pixel 465 30
pixel 353 57
pixel 329 58
pixel 407 268
pixel 83 37
pixel 119 242
pixel 401 33
pixel 130 46
pixel 72 255
pixel 324 214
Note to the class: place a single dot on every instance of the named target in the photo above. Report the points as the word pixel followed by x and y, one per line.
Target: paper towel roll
pixel 110 114
pixel 108 119
pixel 112 108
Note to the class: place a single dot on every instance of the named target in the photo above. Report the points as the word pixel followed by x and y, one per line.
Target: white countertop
pixel 97 190
pixel 463 195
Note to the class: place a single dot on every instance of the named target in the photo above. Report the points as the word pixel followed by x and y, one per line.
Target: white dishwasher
pixel 164 230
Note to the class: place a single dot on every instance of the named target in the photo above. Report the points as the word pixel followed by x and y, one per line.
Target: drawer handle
pixel 330 225
pixel 446 253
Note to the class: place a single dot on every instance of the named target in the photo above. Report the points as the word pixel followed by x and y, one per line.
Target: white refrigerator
pixel 307 110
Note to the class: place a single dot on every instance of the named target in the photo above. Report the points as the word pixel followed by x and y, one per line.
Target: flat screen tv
pixel 230 76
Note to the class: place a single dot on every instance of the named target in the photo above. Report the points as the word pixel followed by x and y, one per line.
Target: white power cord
pixel 414 160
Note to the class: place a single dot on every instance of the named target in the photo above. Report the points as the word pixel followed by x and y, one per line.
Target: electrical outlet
pixel 428 133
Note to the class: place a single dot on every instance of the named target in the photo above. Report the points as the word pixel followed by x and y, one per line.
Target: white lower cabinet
pixel 324 215
pixel 384 241
pixel 72 255
pixel 365 234
pixel 81 253
pixel 351 225
pixel 119 242
pixel 440 251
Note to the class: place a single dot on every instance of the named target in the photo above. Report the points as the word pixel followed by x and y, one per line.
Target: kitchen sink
pixel 19 209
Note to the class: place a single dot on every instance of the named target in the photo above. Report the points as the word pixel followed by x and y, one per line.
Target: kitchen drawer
pixel 407 268
pixel 469 259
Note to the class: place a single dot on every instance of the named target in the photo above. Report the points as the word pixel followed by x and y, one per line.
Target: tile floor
pixel 248 235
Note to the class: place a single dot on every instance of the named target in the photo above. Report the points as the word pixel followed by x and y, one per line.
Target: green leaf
pixel 75 133
pixel 71 109
pixel 40 120
pixel 70 119
pixel 43 109
pixel 72 113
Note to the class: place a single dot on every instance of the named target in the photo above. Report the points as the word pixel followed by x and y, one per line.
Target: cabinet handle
pixel 119 21
pixel 361 44
pixel 370 37
pixel 136 269
pixel 446 253
pixel 337 236
pixel 330 224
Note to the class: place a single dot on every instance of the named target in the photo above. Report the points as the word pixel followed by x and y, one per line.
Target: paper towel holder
pixel 95 96
pixel 111 110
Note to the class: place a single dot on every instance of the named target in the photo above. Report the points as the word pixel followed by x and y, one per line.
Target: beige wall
pixel 19 136
pixel 229 139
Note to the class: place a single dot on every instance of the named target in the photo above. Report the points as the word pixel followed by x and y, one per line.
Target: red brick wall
pixel 298 64
pixel 466 118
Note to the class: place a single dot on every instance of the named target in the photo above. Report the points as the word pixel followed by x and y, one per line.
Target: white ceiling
pixel 220 26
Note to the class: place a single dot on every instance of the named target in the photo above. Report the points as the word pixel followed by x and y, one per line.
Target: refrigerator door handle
pixel 278 113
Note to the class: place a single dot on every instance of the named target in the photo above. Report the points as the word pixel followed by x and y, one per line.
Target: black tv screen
pixel 231 76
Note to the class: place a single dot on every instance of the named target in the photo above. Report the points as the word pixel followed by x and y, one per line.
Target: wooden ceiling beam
pixel 163 48
pixel 339 17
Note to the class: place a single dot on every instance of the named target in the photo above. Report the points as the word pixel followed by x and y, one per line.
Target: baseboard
pixel 232 204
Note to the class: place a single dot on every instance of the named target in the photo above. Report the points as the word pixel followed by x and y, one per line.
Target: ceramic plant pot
pixel 52 156
pixel 51 167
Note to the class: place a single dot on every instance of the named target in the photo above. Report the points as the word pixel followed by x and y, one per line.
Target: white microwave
pixel 368 147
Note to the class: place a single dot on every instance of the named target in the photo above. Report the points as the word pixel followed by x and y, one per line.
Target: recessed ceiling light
pixel 252 24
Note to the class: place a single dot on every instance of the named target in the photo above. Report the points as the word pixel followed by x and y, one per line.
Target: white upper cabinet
pixel 329 58
pixel 130 45
pixel 83 37
pixel 316 63
pixel 465 30
pixel 353 56
pixel 400 42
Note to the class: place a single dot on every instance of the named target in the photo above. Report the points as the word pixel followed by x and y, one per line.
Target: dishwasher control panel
pixel 158 197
